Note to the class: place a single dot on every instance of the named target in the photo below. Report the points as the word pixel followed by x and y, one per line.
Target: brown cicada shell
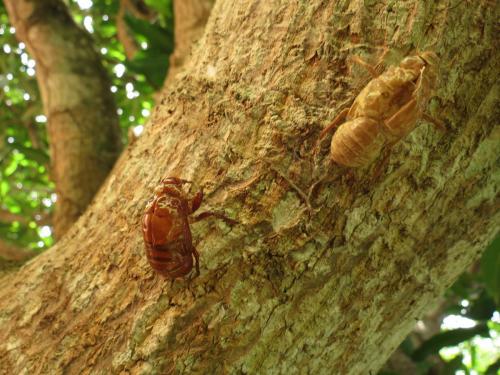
pixel 385 111
pixel 167 232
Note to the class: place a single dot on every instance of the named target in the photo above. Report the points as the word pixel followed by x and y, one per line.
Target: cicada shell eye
pixel 414 63
pixel 430 58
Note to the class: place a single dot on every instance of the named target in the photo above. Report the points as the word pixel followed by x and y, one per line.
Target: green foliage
pixel 448 338
pixel 152 65
pixel 473 298
pixel 494 368
pixel 490 270
pixel 134 82
pixel 159 38
pixel 164 8
pixel 150 62
pixel 25 189
pixel 26 192
pixel 456 364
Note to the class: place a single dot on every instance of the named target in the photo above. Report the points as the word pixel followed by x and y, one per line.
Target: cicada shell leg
pixel 437 123
pixel 371 69
pixel 196 201
pixel 335 123
pixel 196 256
pixel 207 214
pixel 374 70
pixel 175 181
pixel 381 166
pixel 403 121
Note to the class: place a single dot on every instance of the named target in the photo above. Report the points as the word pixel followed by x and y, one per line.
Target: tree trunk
pixel 290 289
pixel 82 126
pixel 190 19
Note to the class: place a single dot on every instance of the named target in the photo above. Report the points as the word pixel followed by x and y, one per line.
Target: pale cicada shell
pixel 385 111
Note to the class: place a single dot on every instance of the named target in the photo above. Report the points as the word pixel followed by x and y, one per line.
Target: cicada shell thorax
pixel 414 97
pixel 385 111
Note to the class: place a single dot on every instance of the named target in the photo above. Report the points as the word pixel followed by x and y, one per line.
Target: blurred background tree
pixel 26 190
pixel 134 40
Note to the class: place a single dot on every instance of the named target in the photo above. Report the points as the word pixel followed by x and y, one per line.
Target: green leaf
pixel 11 168
pixel 407 346
pixel 481 308
pixel 490 269
pixel 4 188
pixel 493 368
pixel 454 365
pixel 114 53
pixel 462 287
pixel 107 30
pixel 158 38
pixel 153 65
pixel 12 205
pixel 34 154
pixel 164 7
pixel 448 338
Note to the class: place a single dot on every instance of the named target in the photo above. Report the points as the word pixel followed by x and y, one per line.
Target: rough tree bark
pixel 333 289
pixel 82 125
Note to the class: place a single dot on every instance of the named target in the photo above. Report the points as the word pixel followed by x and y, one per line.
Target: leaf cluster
pixel 475 298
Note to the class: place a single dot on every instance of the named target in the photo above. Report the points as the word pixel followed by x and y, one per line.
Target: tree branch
pixel 190 19
pixel 11 252
pixel 82 123
pixel 128 42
